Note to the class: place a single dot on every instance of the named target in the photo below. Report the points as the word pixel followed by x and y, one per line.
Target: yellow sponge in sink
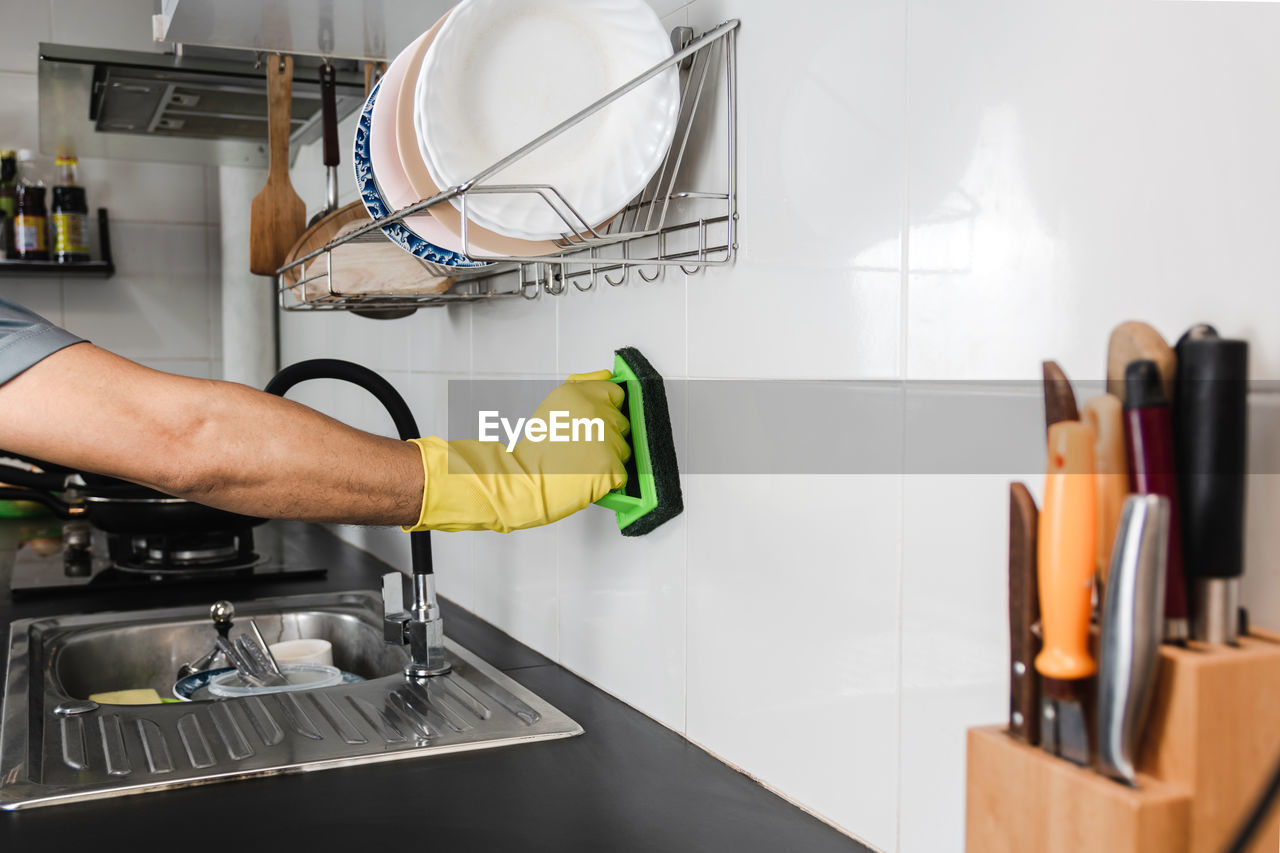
pixel 144 696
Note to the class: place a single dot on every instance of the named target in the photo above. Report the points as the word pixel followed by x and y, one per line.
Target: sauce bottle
pixel 30 220
pixel 8 199
pixel 70 213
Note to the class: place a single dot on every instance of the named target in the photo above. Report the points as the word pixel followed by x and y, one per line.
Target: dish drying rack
pixel 666 225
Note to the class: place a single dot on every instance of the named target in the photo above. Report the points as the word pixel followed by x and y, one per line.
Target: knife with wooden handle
pixel 1134 341
pixel 1152 470
pixel 1211 418
pixel 1132 628
pixel 1059 399
pixel 1066 551
pixel 1104 414
pixel 1024 612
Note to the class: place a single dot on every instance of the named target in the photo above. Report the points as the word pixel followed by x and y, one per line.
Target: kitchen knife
pixel 1059 399
pixel 1024 612
pixel 1104 414
pixel 1148 423
pixel 1211 435
pixel 1134 341
pixel 1132 627
pixel 1066 550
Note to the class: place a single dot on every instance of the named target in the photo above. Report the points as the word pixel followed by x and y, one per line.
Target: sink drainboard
pixel 49 756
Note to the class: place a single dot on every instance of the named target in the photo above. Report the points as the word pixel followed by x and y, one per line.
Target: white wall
pixel 163 307
pixel 931 190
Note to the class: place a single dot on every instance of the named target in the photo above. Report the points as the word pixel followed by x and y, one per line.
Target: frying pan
pixel 117 506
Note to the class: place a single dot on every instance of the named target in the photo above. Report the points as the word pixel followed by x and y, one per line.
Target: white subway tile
pixel 18 111
pixel 514 336
pixel 793 637
pixel 648 316
pixel 514 584
pixel 622 611
pixel 1260 587
pixel 955 643
pixel 42 295
pixel 156 306
pixel 777 321
pixel 440 338
pixel 1046 207
pixel 820 129
pixel 137 191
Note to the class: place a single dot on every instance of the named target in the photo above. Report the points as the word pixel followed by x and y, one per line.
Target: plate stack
pixel 487 79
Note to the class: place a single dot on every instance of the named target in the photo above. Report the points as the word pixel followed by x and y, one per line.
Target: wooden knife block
pixel 1210 743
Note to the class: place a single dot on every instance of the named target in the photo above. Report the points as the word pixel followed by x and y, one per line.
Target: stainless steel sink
pixel 55 748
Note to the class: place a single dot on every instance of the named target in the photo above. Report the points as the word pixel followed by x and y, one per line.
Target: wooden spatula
pixel 277 217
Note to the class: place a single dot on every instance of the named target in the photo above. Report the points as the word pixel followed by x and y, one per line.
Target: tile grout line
pixel 904 304
pixel 684 692
pixel 559 568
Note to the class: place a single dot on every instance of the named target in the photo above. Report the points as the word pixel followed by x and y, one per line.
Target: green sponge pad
pixel 652 494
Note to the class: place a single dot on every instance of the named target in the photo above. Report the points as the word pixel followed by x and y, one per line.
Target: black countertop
pixel 628 784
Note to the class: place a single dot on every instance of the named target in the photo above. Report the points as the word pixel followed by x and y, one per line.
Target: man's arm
pixel 218 443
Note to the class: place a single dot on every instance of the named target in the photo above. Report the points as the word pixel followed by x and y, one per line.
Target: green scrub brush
pixel 651 496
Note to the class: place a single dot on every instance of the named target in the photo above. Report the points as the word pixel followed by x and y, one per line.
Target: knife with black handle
pixel 1024 612
pixel 1132 629
pixel 1211 437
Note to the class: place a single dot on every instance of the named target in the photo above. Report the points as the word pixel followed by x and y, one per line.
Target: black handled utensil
pixel 1211 436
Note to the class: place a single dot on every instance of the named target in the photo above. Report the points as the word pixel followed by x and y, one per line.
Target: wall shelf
pixel 104 267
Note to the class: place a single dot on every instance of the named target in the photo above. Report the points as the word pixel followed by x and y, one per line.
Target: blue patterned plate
pixel 187 688
pixel 374 202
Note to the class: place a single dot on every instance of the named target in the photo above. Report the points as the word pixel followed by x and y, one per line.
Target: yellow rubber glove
pixel 477 485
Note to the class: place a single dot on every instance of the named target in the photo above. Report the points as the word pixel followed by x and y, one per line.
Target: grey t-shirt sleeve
pixel 27 338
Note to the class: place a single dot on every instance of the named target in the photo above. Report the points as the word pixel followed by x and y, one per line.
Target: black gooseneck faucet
pixel 419 625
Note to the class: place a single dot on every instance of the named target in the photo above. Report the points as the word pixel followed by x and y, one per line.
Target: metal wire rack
pixel 670 224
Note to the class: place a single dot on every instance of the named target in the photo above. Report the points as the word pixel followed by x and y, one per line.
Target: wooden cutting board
pixel 367 268
pixel 322 232
pixel 277 216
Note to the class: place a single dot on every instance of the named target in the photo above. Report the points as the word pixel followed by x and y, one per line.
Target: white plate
pixel 376 204
pixel 384 157
pixel 500 74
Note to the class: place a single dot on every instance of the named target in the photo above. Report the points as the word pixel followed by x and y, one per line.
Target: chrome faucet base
pixel 417 625
pixel 417 672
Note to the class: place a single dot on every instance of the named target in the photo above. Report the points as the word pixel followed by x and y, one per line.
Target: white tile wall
pixel 931 190
pixel 162 306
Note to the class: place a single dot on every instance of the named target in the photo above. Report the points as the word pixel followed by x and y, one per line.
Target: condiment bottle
pixel 30 221
pixel 70 213
pixel 8 199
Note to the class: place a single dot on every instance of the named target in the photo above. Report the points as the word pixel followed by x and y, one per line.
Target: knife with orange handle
pixel 1104 413
pixel 1066 558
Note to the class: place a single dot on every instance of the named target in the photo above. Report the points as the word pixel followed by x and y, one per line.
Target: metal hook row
pixel 544 280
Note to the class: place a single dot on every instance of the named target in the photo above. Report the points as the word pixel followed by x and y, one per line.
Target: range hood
pixel 199 105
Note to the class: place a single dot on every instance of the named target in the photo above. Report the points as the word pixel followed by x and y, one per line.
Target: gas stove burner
pixel 194 557
pixel 170 553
